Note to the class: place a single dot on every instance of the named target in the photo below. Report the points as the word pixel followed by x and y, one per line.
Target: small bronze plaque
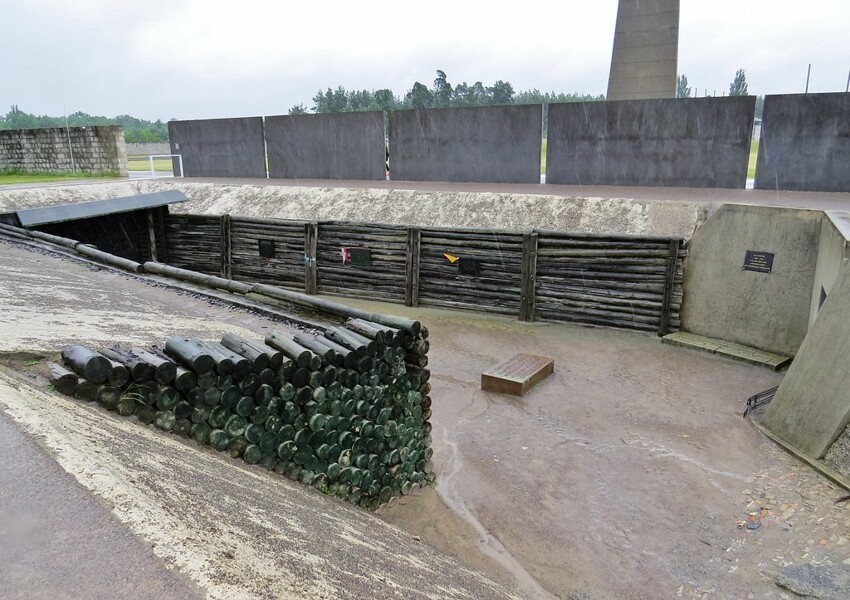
pixel 761 262
pixel 517 375
pixel 469 266
pixel 360 256
pixel 267 248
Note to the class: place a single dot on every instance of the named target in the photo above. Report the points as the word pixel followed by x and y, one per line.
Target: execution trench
pixel 631 461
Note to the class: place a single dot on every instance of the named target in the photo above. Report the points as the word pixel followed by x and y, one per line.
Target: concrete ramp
pixel 812 406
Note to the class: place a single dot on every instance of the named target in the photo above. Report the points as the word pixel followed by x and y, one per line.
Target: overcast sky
pixel 210 58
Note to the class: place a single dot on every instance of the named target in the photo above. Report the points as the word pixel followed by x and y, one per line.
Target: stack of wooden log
pixel 346 411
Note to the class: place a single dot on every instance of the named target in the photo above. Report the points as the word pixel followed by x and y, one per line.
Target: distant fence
pixel 688 142
pixel 632 282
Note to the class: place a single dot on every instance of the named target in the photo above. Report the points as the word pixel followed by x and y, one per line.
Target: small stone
pixel 753 525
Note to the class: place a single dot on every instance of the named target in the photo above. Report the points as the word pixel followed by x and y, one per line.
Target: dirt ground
pixel 629 473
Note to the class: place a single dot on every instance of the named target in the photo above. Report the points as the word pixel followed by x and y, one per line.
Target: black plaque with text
pixel 761 262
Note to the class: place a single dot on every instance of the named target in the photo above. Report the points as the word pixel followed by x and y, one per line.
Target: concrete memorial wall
pixel 327 146
pixel 749 276
pixel 219 147
pixel 685 142
pixel 498 144
pixel 805 143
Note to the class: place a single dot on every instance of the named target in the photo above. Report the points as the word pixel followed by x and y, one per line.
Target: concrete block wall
pixel 96 150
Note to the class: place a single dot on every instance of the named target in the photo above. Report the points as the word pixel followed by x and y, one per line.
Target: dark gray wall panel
pixel 499 144
pixel 220 147
pixel 327 146
pixel 805 143
pixel 685 142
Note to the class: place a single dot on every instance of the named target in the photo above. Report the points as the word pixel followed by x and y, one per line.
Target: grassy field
pixel 143 163
pixel 13 178
pixel 754 154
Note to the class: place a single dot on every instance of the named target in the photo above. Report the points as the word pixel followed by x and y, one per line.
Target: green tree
pixel 738 87
pixel 682 89
pixel 442 91
pixel 298 109
pixel 419 96
pixel 500 93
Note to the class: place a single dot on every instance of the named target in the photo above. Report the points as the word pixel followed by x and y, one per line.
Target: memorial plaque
pixel 761 262
pixel 517 375
pixel 267 248
pixel 469 266
pixel 360 256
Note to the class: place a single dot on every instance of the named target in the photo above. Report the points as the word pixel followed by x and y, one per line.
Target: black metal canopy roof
pixel 31 217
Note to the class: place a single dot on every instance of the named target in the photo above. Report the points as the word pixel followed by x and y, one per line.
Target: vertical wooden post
pixel 225 247
pixel 161 213
pixel 311 238
pixel 669 282
pixel 411 289
pixel 528 284
pixel 152 235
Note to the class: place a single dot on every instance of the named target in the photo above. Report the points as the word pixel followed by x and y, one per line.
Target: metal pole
pixel 153 174
pixel 68 132
pixel 847 87
pixel 180 158
pixel 808 75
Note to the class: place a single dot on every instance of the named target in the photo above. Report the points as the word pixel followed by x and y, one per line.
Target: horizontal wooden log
pixel 110 259
pixel 199 278
pixel 165 369
pixel 139 370
pixel 87 363
pixel 62 379
pixel 302 356
pixel 190 354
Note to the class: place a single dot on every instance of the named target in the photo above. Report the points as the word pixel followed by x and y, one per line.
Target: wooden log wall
pixel 384 279
pixel 286 269
pixel 194 242
pixel 632 282
pixel 497 287
pixel 606 280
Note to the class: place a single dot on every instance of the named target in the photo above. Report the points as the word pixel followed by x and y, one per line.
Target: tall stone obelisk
pixel 646 50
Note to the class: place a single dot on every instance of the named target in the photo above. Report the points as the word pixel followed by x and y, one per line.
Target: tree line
pixel 135 130
pixel 738 87
pixel 441 94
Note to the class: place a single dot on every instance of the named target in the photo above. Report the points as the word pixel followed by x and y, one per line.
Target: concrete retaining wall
pixel 768 311
pixel 499 144
pixel 812 406
pixel 833 254
pixel 687 142
pixel 805 143
pixel 327 146
pixel 219 147
pixel 98 150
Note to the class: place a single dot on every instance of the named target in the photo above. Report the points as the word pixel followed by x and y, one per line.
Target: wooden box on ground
pixel 517 375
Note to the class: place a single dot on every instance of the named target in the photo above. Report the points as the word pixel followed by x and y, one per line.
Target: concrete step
pixel 730 349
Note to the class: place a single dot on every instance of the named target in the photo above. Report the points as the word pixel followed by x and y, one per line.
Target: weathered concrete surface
pixel 765 311
pixel 688 142
pixel 326 146
pixel 812 406
pixel 439 207
pixel 58 541
pixel 805 143
pixel 833 254
pixel 496 144
pixel 646 50
pixel 236 531
pixel 219 147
